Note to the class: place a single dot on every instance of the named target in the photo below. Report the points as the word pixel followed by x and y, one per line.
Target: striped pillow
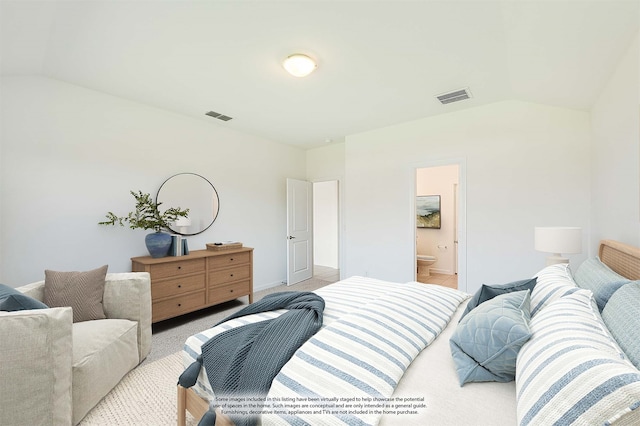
pixel 553 282
pixel 572 371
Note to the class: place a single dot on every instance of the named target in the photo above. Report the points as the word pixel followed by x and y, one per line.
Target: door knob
pixel 290 237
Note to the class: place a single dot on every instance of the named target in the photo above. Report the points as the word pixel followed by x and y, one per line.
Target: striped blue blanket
pixel 372 331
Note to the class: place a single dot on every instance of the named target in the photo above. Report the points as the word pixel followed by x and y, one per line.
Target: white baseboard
pixel 441 271
pixel 265 286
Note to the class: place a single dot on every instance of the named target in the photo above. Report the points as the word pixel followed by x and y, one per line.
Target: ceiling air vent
pixel 455 96
pixel 218 116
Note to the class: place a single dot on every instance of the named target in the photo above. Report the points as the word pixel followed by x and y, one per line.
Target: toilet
pixel 424 261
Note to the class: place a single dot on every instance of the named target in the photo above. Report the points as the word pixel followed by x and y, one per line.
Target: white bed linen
pixel 433 375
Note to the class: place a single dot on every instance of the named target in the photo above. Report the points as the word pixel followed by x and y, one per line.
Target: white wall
pixel 526 165
pixel 326 163
pixel 68 155
pixel 616 156
pixel 439 180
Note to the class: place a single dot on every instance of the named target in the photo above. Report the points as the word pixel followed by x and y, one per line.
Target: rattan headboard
pixel 622 258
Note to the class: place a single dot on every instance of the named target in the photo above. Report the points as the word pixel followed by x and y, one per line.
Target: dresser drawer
pixel 174 269
pixel 229 292
pixel 177 306
pixel 202 278
pixel 229 275
pixel 177 286
pixel 229 260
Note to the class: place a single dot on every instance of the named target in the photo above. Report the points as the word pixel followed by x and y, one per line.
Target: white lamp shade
pixel 557 239
pixel 299 65
pixel 182 222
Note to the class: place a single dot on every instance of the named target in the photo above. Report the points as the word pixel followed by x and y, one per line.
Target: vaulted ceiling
pixel 379 63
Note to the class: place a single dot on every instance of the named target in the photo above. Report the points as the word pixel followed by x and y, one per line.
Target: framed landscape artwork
pixel 428 211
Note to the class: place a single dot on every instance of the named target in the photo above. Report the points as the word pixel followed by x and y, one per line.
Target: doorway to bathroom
pixel 437 225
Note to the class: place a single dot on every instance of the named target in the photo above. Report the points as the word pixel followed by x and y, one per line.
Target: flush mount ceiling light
pixel 299 65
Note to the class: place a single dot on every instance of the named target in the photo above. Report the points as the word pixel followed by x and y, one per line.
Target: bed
pixel 570 338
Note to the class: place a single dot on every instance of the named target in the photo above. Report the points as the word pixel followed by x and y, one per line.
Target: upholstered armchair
pixel 54 371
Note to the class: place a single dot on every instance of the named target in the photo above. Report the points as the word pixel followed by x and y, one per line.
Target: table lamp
pixel 558 240
pixel 182 223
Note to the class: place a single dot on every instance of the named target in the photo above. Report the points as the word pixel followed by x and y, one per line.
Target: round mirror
pixel 193 192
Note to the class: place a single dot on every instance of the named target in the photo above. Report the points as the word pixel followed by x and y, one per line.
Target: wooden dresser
pixel 182 284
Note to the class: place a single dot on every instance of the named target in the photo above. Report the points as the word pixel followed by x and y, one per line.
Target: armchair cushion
pixel 83 291
pixel 13 300
pixel 97 345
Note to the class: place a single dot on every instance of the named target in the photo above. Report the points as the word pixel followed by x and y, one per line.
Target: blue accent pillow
pixel 13 300
pixel 594 275
pixel 622 319
pixel 486 343
pixel 488 292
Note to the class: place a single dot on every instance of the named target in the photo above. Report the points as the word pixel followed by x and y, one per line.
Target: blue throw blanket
pixel 244 360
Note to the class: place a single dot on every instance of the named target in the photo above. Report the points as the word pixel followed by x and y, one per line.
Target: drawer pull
pixel 231 290
pixel 231 260
pixel 179 285
pixel 179 304
pixel 231 274
pixel 179 267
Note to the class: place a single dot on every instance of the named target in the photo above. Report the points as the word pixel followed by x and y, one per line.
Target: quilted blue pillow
pixel 12 300
pixel 594 275
pixel 488 292
pixel 486 342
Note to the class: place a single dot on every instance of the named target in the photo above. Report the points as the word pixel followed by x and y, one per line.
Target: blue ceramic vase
pixel 158 244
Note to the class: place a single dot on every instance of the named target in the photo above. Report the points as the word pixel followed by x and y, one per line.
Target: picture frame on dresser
pixel 200 279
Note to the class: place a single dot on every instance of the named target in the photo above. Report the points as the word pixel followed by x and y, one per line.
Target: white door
pixel 455 227
pixel 299 231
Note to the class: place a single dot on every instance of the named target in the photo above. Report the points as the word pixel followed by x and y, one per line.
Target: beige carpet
pixel 146 396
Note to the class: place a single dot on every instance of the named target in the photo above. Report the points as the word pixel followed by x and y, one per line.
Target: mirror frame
pixel 215 194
